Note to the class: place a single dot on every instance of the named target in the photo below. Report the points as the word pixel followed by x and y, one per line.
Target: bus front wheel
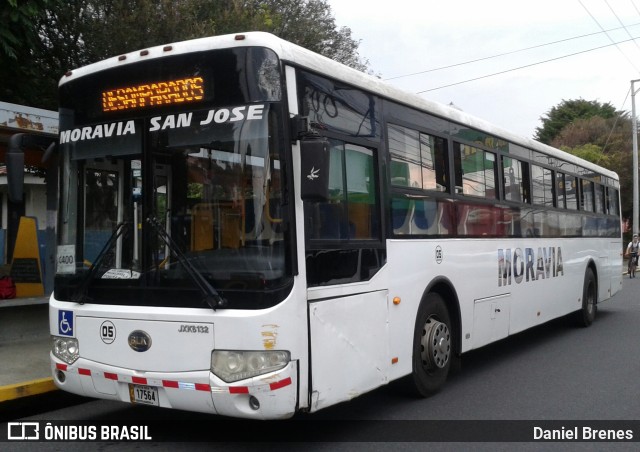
pixel 432 345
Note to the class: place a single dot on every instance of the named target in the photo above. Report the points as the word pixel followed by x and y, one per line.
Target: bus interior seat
pixel 424 216
pixel 400 215
pixel 359 220
pixel 202 227
pixel 332 223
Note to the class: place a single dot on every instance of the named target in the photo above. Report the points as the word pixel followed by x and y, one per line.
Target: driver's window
pixel 350 211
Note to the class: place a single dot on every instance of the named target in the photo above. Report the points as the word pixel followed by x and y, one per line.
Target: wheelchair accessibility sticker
pixel 65 323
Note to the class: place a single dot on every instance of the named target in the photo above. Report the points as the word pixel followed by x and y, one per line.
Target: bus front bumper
pixel 270 396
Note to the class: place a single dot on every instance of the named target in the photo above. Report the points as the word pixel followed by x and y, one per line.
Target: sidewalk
pixel 24 348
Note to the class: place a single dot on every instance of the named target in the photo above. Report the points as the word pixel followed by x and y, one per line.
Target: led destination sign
pixel 179 91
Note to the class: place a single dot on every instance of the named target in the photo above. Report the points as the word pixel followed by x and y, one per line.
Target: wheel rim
pixel 436 344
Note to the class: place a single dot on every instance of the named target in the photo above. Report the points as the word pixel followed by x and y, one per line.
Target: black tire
pixel 432 346
pixel 587 314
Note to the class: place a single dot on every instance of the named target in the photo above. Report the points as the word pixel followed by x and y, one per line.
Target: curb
pixel 28 388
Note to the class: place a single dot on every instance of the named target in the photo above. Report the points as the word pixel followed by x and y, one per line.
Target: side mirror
pixel 50 150
pixel 15 160
pixel 314 158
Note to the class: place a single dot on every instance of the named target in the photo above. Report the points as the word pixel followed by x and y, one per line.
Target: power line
pixel 623 26
pixel 616 121
pixel 610 39
pixel 506 53
pixel 636 8
pixel 523 67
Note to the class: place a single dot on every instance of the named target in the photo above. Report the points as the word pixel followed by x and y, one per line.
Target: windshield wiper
pixel 211 295
pixel 81 293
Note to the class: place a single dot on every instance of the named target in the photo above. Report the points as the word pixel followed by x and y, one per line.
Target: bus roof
pixel 299 56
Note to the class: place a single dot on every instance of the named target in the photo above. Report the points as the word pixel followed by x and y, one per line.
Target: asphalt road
pixel 557 373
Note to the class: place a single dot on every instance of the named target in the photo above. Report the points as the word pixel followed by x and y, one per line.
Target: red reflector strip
pixel 257 389
pixel 145 381
pixel 238 390
pixel 280 384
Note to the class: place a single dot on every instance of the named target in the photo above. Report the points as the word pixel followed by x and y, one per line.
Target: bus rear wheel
pixel 587 314
pixel 432 346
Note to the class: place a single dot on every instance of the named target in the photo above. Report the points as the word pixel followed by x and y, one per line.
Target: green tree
pixel 66 34
pixel 113 27
pixel 308 23
pixel 19 39
pixel 605 142
pixel 17 34
pixel 590 152
pixel 567 112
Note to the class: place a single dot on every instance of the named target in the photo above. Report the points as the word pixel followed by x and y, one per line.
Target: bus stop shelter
pixel 40 190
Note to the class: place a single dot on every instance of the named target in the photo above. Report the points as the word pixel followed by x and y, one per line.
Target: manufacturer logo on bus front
pixel 139 341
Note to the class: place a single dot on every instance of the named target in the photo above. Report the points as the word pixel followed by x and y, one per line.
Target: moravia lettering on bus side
pixel 529 264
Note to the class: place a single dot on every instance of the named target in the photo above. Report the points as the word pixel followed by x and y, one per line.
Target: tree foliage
pixel 589 152
pixel 59 35
pixel 17 34
pixel 604 140
pixel 563 114
pixel 308 23
pixel 18 40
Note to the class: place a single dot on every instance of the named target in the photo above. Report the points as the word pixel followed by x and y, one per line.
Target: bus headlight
pixel 234 365
pixel 66 349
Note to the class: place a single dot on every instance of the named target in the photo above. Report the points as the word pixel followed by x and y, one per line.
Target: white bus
pixel 249 229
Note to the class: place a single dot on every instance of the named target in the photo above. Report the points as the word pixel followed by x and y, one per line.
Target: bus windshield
pixel 174 208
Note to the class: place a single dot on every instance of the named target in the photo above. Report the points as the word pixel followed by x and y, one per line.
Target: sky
pixel 408 42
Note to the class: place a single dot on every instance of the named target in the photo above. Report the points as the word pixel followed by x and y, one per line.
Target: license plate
pixel 147 395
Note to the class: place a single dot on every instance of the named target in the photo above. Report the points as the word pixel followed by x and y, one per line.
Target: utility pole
pixel 634 131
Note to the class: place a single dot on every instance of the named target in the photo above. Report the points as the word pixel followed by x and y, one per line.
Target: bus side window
pixel 350 210
pixel 418 160
pixel 599 198
pixel 571 191
pixel 560 190
pixel 612 198
pixel 515 180
pixel 475 171
pixel 542 179
pixel 586 198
